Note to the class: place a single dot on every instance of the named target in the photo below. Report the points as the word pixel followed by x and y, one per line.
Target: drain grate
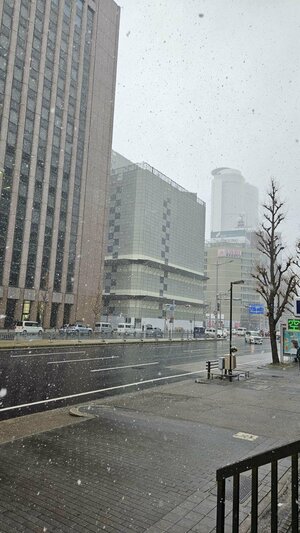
pixel 245 488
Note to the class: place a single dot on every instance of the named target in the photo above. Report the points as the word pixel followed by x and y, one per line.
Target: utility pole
pixel 217 264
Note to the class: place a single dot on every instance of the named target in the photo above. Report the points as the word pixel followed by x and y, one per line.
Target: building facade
pixel 154 268
pixel 57 84
pixel 226 262
pixel 234 204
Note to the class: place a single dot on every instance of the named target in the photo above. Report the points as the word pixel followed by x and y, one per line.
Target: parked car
pixel 253 337
pixel 79 329
pixel 63 329
pixel 125 328
pixel 27 327
pixel 211 333
pixel 199 332
pixel 153 332
pixel 103 327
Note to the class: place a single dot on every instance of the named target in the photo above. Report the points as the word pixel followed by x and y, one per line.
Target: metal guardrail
pixel 252 464
pixel 56 335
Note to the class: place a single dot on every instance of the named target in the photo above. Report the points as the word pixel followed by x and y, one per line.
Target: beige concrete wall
pixel 89 274
pixel 95 173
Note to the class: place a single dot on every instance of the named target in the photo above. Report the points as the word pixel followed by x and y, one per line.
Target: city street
pixel 146 460
pixel 37 379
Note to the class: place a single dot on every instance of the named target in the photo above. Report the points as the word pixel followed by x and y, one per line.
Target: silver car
pixel 79 329
pixel 253 337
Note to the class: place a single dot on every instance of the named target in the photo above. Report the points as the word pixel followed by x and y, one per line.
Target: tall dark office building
pixel 57 85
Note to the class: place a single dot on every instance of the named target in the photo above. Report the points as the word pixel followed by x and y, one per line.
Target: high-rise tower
pixel 57 84
pixel 234 204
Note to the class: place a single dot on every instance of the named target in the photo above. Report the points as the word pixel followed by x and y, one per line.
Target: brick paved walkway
pixel 146 462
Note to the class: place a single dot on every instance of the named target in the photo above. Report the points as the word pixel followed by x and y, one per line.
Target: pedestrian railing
pixel 55 334
pixel 252 465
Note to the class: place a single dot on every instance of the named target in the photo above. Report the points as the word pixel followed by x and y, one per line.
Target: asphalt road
pixel 37 379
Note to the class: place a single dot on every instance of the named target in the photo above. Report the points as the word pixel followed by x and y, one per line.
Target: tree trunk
pixel 274 349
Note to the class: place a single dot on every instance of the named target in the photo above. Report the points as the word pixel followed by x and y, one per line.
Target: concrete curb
pixel 75 411
pixel 5 345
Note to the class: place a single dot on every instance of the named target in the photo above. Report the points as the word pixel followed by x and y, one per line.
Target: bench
pixel 212 365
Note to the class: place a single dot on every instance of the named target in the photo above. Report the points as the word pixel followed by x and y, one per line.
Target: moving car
pixel 253 337
pixel 79 329
pixel 27 327
pixel 241 332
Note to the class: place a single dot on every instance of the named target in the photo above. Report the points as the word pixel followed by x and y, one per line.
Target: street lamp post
pixel 239 282
pixel 217 264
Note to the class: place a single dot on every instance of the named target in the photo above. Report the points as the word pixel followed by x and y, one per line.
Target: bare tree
pixel 97 305
pixel 276 278
pixel 44 300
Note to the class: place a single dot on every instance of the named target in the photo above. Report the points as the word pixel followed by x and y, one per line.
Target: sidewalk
pixel 142 461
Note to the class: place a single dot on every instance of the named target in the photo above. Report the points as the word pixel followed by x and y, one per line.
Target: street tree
pixel 276 274
pixel 97 304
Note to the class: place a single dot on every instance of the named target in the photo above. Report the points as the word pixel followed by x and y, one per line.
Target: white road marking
pixel 79 360
pixel 245 436
pixel 127 366
pixel 79 394
pixel 48 353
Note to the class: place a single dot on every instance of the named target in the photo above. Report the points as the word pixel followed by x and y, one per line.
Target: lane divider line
pixel 116 387
pixel 137 365
pixel 49 353
pixel 84 359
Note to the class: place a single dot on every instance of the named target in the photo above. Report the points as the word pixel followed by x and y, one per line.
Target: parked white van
pixel 125 329
pixel 103 327
pixel 211 332
pixel 27 327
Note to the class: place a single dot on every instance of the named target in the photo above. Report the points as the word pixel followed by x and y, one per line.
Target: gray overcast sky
pixel 209 83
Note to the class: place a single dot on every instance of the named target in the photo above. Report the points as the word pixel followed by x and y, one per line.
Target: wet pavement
pixel 43 378
pixel 144 460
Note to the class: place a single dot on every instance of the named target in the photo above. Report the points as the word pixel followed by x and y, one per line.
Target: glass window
pixel 13 117
pixel 27 145
pixel 22 33
pixel 31 104
pixel 43 134
pixel 3 63
pixel 48 73
pixel 11 138
pixel 33 83
pixel 18 73
pixel 4 40
pixel 36 44
pixel 29 125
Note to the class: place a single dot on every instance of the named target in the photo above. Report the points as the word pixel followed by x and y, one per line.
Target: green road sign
pixel 294 324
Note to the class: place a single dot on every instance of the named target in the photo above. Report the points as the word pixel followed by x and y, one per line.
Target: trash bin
pixel 221 363
pixel 229 366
